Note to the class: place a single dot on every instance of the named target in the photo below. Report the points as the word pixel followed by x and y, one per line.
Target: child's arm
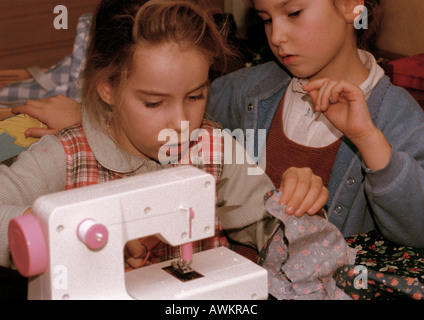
pixel 57 112
pixel 345 107
pixel 394 173
pixel 38 171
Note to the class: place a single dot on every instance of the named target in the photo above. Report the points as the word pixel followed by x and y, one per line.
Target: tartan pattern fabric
pixel 82 168
pixel 18 93
pixel 207 153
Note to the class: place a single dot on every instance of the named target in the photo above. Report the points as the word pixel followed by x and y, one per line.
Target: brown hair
pixel 185 23
pixel 367 38
pixel 121 25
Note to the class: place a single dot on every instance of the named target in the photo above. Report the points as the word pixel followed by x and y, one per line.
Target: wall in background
pixel 238 9
pixel 28 36
pixel 403 27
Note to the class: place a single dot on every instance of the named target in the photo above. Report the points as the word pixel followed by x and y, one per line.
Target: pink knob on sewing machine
pixel 94 235
pixel 28 245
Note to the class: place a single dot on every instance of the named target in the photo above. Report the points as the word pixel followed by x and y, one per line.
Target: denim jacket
pixel 390 200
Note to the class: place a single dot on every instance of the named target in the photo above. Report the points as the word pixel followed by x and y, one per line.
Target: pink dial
pixel 28 245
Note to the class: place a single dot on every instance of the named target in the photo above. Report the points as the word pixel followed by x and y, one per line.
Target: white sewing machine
pixel 71 247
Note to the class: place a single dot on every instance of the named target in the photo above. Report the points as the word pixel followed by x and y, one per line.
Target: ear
pixel 351 9
pixel 106 92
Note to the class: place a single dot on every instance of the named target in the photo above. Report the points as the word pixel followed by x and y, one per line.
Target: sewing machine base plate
pixel 182 276
pixel 226 276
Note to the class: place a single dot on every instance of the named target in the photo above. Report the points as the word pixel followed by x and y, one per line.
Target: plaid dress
pixel 207 153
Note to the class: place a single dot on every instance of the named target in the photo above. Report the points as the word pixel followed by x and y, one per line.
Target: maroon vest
pixel 283 153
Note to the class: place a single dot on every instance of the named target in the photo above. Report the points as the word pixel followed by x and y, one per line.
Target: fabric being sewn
pixel 302 255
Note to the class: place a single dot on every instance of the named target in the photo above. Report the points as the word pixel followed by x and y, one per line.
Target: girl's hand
pixel 134 254
pixel 302 191
pixel 57 113
pixel 344 105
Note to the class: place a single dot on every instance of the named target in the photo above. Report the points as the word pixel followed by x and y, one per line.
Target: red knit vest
pixel 283 153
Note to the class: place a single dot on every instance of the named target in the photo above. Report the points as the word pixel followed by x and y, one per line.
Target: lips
pixel 176 145
pixel 175 149
pixel 288 59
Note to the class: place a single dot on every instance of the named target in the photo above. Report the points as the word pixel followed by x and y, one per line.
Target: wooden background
pixel 27 34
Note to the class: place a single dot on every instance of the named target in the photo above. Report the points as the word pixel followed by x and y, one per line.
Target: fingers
pixel 134 253
pixel 325 92
pixel 135 248
pixel 56 112
pixel 302 192
pixel 39 132
pixel 322 92
pixel 315 199
pixel 134 263
pixel 33 108
pixel 288 186
pixel 5 113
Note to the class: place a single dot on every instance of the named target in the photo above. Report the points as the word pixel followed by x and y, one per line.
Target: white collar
pixel 375 75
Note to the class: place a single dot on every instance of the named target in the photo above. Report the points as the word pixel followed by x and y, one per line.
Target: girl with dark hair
pixel 336 114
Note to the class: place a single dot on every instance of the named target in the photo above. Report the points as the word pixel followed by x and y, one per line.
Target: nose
pixel 278 33
pixel 179 119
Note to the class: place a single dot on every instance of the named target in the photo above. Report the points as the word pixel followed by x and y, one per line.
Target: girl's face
pixel 167 85
pixel 309 37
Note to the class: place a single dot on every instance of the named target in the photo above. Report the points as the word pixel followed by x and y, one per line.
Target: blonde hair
pixel 116 34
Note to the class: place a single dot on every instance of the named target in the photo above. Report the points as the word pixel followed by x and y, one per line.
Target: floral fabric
pixel 303 255
pixel 308 258
pixel 389 270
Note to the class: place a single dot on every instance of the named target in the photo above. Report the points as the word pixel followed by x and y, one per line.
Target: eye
pixel 196 97
pixel 264 18
pixel 152 104
pixel 267 21
pixel 295 14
